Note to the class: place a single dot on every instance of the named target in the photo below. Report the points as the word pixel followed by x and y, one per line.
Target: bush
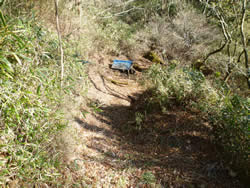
pixel 29 97
pixel 185 85
pixel 228 114
pixel 231 129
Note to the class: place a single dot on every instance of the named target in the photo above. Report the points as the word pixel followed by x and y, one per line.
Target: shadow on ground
pixel 174 146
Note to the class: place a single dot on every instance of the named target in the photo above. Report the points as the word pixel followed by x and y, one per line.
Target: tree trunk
pixel 60 40
pixel 244 41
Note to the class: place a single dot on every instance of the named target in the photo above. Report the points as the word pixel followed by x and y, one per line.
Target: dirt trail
pixel 96 145
pixel 110 149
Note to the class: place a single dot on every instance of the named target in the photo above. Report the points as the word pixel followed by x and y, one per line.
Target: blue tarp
pixel 122 64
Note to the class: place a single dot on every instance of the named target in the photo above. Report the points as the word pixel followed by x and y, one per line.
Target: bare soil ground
pixel 113 142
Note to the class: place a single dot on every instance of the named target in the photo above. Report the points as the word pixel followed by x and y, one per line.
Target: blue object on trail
pixel 122 64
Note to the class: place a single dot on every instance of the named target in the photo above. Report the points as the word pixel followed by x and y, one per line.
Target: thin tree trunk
pixel 80 12
pixel 204 11
pixel 244 41
pixel 227 36
pixel 60 40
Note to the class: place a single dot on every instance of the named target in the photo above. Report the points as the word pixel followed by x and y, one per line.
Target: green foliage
pixel 172 10
pixel 95 106
pixel 148 178
pixel 231 128
pixel 184 85
pixel 152 56
pixel 114 33
pixel 1 2
pixel 228 15
pixel 139 118
pixel 229 114
pixel 29 97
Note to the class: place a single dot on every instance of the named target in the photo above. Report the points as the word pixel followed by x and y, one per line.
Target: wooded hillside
pixel 191 69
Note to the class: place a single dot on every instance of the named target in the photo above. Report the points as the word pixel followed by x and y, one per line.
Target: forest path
pixel 118 145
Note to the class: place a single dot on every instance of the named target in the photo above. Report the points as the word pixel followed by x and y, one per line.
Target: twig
pixel 123 12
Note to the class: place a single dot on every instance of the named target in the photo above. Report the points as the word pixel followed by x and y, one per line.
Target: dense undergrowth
pixel 30 97
pixel 227 113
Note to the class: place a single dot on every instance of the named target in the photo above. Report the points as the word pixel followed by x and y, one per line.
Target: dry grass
pixel 185 38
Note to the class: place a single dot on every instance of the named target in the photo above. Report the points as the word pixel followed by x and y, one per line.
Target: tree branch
pixel 215 51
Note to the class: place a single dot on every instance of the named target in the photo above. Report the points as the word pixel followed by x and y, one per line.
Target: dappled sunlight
pixel 175 145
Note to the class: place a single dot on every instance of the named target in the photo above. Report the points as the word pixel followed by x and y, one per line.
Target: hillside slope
pixel 118 146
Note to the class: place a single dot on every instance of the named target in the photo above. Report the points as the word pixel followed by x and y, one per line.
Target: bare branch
pixel 123 12
pixel 215 51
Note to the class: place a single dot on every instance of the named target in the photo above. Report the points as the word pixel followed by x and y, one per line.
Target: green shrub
pixel 228 114
pixel 172 9
pixel 30 94
pixel 185 85
pixel 231 129
pixel 148 178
